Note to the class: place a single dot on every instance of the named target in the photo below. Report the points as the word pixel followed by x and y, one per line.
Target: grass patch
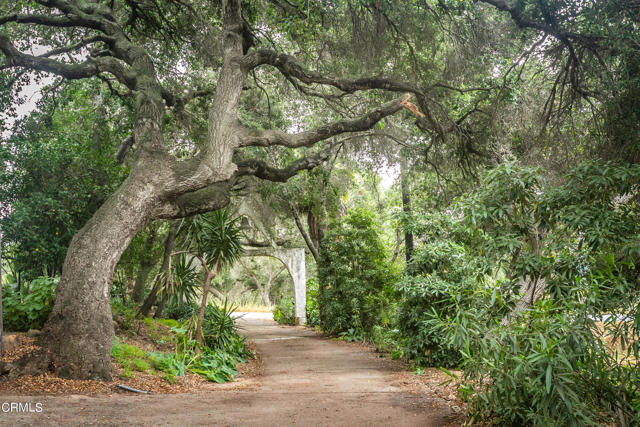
pixel 140 365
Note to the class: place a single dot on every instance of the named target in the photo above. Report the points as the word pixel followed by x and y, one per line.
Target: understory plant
pixel 355 276
pixel 533 291
pixel 215 359
pixel 29 307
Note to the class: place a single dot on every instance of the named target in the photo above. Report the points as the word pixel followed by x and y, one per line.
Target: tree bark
pixel 307 239
pixel 531 290
pixel 208 277
pixel 266 300
pixel 141 280
pixel 160 308
pixel 79 331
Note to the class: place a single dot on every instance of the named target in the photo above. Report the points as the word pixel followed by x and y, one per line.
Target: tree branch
pixel 211 198
pixel 89 68
pixel 308 138
pixel 48 20
pixel 522 22
pixel 312 247
pixel 260 169
pixel 289 66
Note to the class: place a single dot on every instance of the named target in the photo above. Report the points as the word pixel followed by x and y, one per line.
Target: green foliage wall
pixel 570 358
pixel 355 275
pixel 58 169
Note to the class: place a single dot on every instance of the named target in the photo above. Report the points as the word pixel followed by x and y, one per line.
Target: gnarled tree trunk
pixel 79 330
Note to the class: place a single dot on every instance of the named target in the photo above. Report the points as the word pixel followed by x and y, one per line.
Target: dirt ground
pixel 305 380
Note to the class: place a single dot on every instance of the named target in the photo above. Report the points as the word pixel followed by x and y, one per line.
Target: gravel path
pixel 307 380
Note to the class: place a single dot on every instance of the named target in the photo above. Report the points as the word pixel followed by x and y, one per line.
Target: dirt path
pixel 307 380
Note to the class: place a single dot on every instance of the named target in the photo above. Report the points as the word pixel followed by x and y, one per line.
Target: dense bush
pixel 544 360
pixel 355 275
pixel 179 310
pixel 29 308
pixel 312 308
pixel 438 269
pixel 220 332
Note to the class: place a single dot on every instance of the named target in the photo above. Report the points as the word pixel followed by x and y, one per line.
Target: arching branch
pixel 260 169
pixel 308 138
pixel 88 68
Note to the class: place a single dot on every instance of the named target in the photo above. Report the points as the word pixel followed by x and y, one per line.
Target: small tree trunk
pixel 141 282
pixel 266 299
pixel 146 265
pixel 209 275
pixel 160 307
pixel 169 244
pixel 531 290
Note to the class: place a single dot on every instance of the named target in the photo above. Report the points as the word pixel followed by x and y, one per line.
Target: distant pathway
pixel 307 380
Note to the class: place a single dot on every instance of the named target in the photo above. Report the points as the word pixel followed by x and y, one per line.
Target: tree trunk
pixel 79 331
pixel 160 308
pixel 265 297
pixel 141 281
pixel 310 244
pixel 531 290
pixel 169 244
pixel 209 275
pixel 146 265
pixel 406 208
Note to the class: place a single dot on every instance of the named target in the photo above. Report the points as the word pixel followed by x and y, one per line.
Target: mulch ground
pixel 51 384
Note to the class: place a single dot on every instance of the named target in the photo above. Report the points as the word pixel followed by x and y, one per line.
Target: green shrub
pixel 179 311
pixel 438 269
pixel 539 370
pixel 284 312
pixel 172 364
pixel 312 308
pixel 28 310
pixel 216 366
pixel 355 275
pixel 219 327
pixel 352 335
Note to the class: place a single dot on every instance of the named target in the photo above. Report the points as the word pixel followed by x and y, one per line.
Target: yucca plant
pixel 180 283
pixel 215 240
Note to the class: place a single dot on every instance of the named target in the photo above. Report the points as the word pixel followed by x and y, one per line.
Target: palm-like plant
pixel 215 240
pixel 180 282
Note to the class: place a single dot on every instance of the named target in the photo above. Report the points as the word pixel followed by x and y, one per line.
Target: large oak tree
pixel 135 47
pixel 99 40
